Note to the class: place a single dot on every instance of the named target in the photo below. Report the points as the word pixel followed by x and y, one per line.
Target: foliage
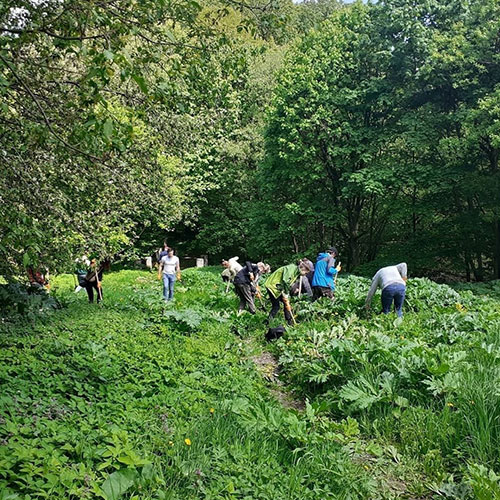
pixel 427 382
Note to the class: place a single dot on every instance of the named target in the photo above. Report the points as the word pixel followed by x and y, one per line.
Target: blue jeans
pixel 168 286
pixel 394 292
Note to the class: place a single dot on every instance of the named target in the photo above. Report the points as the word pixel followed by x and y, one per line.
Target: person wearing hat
pixel 325 270
pixel 278 286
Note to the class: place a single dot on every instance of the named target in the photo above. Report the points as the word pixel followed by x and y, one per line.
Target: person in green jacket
pixel 278 286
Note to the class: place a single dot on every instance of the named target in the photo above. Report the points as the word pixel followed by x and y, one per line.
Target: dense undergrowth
pixel 137 400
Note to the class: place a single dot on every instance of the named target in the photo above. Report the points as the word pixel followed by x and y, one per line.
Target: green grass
pixel 97 401
pixel 136 399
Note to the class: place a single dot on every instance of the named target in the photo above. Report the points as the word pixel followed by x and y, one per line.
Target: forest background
pixel 265 129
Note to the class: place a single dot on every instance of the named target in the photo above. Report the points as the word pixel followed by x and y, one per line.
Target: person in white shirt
pixel 392 281
pixel 170 270
pixel 232 268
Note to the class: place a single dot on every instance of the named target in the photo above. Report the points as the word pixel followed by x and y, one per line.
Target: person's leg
pixel 399 298
pixel 387 297
pixel 90 292
pixel 239 293
pixel 316 293
pixel 171 284
pixel 275 306
pixel 288 314
pixel 165 286
pixel 248 296
pixel 98 292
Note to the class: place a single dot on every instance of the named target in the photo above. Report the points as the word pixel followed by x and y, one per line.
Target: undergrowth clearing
pixel 137 400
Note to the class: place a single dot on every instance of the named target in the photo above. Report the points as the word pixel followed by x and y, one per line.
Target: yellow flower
pixel 450 405
pixel 212 410
pixel 187 441
pixel 171 443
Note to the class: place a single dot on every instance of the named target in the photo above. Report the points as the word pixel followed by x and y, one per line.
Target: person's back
pixel 390 274
pixel 392 282
pixel 324 271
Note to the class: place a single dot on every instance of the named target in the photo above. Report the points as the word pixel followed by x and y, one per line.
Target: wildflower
pixel 171 443
pixel 187 441
pixel 451 405
pixel 212 410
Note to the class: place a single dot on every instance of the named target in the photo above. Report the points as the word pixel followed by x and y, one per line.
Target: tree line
pixel 265 129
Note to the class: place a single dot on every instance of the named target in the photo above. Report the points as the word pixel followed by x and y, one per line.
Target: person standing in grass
pixel 93 280
pixel 169 270
pixel 278 286
pixel 246 282
pixel 325 271
pixel 392 281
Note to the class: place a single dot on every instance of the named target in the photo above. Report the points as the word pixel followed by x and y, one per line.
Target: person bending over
pixel 246 282
pixel 392 281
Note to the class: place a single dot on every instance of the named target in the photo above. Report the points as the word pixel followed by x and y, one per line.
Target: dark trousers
pixel 275 307
pixel 246 296
pixel 89 286
pixel 396 293
pixel 322 291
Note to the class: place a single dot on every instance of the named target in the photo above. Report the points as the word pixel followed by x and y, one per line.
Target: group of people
pixel 315 280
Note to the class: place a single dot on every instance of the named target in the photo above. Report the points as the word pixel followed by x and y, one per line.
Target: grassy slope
pixel 96 401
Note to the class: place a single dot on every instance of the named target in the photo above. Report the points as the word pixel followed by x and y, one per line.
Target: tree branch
pixel 45 118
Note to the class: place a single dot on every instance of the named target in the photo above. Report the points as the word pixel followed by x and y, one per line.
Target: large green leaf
pixel 118 483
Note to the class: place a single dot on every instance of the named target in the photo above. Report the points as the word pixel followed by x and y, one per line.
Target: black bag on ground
pixel 275 333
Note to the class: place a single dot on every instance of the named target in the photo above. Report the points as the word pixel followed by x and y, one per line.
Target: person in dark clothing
pixel 245 284
pixel 93 280
pixel 163 252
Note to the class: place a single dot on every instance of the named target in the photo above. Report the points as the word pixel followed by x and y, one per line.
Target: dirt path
pixel 268 367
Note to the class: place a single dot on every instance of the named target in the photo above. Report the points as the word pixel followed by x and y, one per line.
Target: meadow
pixel 135 399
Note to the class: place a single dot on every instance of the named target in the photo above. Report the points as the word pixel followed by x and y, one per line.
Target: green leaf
pixel 141 82
pixel 118 483
pixel 108 128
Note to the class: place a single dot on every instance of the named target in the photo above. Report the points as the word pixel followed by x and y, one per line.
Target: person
pixel 392 281
pixel 278 285
pixel 325 271
pixel 303 283
pixel 246 282
pixel 93 279
pixel 231 268
pixel 171 270
pixel 38 279
pixel 163 252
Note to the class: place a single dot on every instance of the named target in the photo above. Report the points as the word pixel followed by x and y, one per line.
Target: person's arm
pixel 307 286
pixel 160 268
pixel 178 268
pixel 373 289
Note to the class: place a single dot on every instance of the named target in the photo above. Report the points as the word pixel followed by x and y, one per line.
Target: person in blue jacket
pixel 323 282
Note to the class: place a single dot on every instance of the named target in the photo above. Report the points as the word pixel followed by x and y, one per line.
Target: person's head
pixel 263 268
pixel 165 246
pixel 303 268
pixel 332 251
pixel 170 252
pixel 307 264
pixel 225 263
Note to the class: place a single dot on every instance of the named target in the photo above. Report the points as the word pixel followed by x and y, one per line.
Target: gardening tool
pixel 227 286
pixel 300 286
pixel 288 307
